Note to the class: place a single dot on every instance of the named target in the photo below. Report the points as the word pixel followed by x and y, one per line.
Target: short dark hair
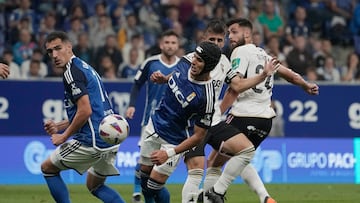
pixel 169 32
pixel 242 22
pixel 216 26
pixel 57 35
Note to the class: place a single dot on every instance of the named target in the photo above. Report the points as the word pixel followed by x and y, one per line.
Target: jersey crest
pixel 235 63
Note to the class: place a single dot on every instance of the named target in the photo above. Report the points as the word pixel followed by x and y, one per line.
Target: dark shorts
pixel 215 136
pixel 255 129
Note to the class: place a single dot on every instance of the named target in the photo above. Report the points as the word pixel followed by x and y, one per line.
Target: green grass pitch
pixel 238 193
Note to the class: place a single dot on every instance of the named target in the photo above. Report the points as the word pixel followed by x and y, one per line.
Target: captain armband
pixel 230 75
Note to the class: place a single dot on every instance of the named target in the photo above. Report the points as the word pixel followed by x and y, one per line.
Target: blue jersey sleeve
pixel 75 82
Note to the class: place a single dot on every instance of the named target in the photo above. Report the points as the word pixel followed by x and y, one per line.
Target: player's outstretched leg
pixel 253 180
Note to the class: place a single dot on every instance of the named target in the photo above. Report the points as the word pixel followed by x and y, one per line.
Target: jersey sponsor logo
pixel 184 101
pixel 75 90
pixel 235 63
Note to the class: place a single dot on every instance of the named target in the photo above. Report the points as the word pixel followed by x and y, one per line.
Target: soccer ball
pixel 114 129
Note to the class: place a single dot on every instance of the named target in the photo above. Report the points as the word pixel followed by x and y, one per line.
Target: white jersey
pixel 218 75
pixel 249 61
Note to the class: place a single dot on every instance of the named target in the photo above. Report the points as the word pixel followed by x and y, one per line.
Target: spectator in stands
pixel 107 67
pixel 83 49
pixel 149 17
pixel 128 30
pixel 171 17
pixel 322 48
pixel 219 12
pixel 299 57
pixel 119 10
pixel 34 70
pixel 197 21
pixel 99 34
pixel 76 28
pixel 137 41
pixel 312 75
pixel 76 11
pixel 128 70
pixel 14 68
pixel 253 17
pixel 329 71
pixel 338 26
pixel 100 10
pixel 297 26
pixel 48 23
pixel 111 49
pixel 271 21
pixel 14 32
pixel 37 55
pixel 24 48
pixel 350 72
pixel 24 11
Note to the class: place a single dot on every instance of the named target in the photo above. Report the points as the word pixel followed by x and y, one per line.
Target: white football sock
pixel 212 175
pixel 234 168
pixel 252 178
pixel 191 187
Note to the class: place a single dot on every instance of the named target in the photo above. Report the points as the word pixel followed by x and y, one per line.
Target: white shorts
pixel 153 142
pixel 73 155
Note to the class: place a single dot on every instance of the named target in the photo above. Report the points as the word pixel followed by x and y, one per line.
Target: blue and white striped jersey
pixel 154 92
pixel 186 103
pixel 81 79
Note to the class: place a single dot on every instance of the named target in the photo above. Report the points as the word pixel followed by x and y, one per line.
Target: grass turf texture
pixel 289 193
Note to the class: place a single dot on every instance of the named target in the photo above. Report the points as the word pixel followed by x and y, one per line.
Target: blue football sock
pixel 148 197
pixel 163 195
pixel 107 195
pixel 58 189
pixel 137 181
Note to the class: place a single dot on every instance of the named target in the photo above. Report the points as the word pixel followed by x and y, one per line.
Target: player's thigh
pixel 105 166
pixel 73 155
pixel 171 163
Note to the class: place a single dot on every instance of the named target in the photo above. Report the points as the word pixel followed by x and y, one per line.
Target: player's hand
pixel 272 67
pixel 312 89
pixel 4 70
pixel 158 77
pixel 58 139
pixel 159 157
pixel 130 112
pixel 50 127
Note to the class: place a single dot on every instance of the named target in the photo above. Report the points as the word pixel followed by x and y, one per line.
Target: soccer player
pixel 164 63
pixel 86 104
pixel 251 111
pixel 4 70
pixel 195 159
pixel 180 121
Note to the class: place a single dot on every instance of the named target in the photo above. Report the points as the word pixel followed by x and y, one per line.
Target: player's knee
pixel 48 168
pixel 195 162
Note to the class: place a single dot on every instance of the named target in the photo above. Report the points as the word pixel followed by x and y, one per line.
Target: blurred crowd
pixel 319 39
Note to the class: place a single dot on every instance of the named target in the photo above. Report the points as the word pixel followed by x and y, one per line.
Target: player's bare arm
pixel 83 113
pixel 296 79
pixel 160 156
pixel 240 84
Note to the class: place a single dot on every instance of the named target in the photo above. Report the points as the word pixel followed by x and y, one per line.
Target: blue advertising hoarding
pixel 278 160
pixel 25 105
